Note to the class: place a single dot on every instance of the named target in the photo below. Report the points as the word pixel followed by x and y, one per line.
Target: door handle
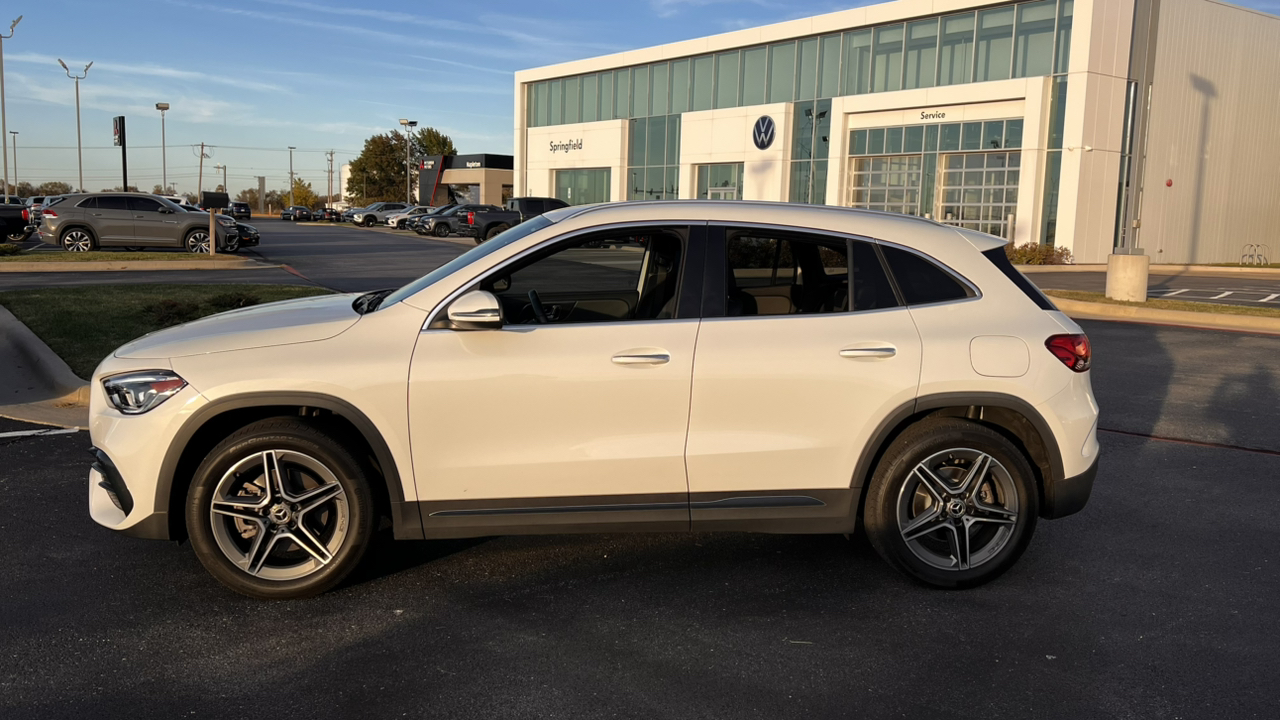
pixel 644 356
pixel 869 351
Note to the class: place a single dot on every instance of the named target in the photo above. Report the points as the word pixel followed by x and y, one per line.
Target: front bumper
pixel 1068 496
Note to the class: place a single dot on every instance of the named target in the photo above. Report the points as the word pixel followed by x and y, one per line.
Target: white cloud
pixel 144 70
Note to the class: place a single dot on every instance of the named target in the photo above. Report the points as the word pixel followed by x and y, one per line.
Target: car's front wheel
pixel 198 241
pixel 440 230
pixel 496 230
pixel 280 510
pixel 952 503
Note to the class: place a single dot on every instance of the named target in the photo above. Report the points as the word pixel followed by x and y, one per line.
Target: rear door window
pixel 921 281
pixel 113 202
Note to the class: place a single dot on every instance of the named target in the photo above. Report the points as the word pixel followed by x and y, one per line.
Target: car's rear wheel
pixel 440 230
pixel 198 241
pixel 495 230
pixel 280 510
pixel 952 503
pixel 18 236
pixel 77 240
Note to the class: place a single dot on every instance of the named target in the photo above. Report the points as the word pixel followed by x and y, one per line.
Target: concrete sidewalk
pixel 35 384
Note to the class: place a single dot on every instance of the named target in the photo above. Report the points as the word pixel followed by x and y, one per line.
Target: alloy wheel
pixel 279 515
pixel 957 509
pixel 77 241
pixel 198 242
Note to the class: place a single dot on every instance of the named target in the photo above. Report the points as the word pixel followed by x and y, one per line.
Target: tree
pixel 302 194
pixel 379 172
pixel 430 141
pixel 118 188
pixel 26 189
pixel 159 190
pixel 53 188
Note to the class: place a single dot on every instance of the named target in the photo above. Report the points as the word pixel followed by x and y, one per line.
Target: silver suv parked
pixel 88 221
pixel 376 214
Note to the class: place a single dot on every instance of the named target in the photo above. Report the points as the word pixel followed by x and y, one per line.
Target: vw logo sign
pixel 763 132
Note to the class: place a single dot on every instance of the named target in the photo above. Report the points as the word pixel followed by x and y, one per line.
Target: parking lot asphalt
pixel 1258 290
pixel 1159 600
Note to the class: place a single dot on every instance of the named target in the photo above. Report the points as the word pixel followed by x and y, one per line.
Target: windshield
pixel 518 232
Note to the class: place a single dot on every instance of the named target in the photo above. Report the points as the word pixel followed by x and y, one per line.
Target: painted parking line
pixel 1270 297
pixel 1176 292
pixel 34 433
pixel 1219 297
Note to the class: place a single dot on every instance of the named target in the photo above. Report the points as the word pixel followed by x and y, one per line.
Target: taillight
pixel 1072 350
pixel 471 218
pixel 49 213
pixel 26 215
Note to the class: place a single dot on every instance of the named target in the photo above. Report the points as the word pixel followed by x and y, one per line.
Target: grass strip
pixel 107 256
pixel 1157 304
pixel 85 324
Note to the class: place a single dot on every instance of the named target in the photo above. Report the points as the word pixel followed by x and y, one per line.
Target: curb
pixel 140 265
pixel 69 388
pixel 1129 313
pixel 1154 269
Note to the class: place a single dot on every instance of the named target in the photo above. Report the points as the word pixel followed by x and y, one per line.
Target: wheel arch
pixel 212 423
pixel 1011 416
pixel 76 225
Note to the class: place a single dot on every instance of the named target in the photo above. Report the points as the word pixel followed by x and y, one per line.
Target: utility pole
pixel 164 163
pixel 408 192
pixel 291 149
pixel 14 133
pixel 262 194
pixel 79 146
pixel 223 168
pixel 200 175
pixel 4 122
pixel 328 200
pixel 124 154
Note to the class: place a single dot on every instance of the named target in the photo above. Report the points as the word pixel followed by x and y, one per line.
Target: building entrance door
pixel 979 191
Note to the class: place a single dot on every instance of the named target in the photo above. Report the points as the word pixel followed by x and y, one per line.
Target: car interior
pixel 796 276
pixel 625 275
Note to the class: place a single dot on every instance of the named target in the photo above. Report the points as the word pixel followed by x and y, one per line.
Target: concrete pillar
pixel 1127 277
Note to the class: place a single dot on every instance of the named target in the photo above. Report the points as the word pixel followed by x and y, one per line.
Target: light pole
pixel 291 149
pixel 223 168
pixel 408 193
pixel 4 123
pixel 79 148
pixel 164 164
pixel 14 133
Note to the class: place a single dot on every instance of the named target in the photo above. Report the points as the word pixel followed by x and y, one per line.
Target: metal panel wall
pixel 1214 105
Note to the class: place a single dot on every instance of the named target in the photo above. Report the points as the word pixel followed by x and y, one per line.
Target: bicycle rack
pixel 1255 254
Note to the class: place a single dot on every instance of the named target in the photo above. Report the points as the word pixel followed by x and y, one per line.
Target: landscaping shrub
pixel 232 301
pixel 173 312
pixel 9 249
pixel 1037 254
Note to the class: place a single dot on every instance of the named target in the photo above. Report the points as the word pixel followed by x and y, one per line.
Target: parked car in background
pixel 485 224
pixel 296 212
pixel 87 221
pixel 16 219
pixel 399 220
pixel 245 235
pixel 239 210
pixel 420 224
pixel 326 214
pixel 376 213
pixel 448 222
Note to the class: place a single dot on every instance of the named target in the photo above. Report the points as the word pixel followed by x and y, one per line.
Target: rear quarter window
pixel 921 281
pixel 998 258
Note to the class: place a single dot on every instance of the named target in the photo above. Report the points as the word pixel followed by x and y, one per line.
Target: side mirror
pixel 166 211
pixel 477 310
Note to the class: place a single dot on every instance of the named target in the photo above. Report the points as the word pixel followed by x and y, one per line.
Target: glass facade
pixel 653 158
pixel 583 186
pixel 810 147
pixel 964 174
pixel 1025 39
pixel 721 181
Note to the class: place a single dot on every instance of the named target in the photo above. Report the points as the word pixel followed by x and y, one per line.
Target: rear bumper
pixel 1068 496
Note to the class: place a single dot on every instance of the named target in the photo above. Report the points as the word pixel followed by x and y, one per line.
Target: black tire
pixel 900 502
pixel 197 241
pixel 495 230
pixel 78 239
pixel 19 236
pixel 287 437
pixel 370 220
pixel 440 230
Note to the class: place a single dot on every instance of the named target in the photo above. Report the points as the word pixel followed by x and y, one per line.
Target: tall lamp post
pixel 408 193
pixel 79 147
pixel 4 123
pixel 164 164
pixel 223 168
pixel 14 133
pixel 291 149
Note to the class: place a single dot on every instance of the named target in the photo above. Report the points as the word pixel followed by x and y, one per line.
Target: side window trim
pixel 697 235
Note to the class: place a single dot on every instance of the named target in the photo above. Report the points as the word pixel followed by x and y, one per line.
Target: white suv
pixel 659 366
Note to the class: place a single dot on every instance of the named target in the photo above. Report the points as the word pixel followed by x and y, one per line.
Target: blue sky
pixel 254 77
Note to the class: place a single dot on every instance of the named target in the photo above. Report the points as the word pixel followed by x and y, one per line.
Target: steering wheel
pixel 535 303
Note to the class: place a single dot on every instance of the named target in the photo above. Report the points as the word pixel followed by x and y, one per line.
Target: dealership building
pixel 1101 126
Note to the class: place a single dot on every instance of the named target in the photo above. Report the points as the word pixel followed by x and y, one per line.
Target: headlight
pixel 136 393
pixel 227 222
